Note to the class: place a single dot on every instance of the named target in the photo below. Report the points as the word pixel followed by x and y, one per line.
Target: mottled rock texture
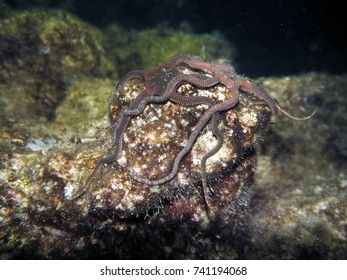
pixel 300 204
pixel 41 54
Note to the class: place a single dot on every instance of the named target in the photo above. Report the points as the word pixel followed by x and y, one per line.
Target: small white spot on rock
pixel 122 161
pixel 318 190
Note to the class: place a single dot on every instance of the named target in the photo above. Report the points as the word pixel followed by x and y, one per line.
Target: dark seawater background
pixel 271 37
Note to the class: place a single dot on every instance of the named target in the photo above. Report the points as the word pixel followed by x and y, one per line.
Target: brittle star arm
pixel 120 125
pixel 195 62
pixel 216 131
pixel 199 80
pixel 247 87
pixel 217 70
pixel 226 73
pixel 135 74
pixel 220 140
pixel 192 138
pixel 293 117
pixel 195 79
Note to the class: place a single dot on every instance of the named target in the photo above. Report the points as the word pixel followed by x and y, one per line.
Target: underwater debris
pixel 42 145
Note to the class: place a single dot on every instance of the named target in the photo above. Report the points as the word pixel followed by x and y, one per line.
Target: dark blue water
pixel 272 37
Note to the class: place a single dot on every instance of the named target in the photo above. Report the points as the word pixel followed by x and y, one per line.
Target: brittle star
pixel 235 84
pixel 148 96
pixel 161 92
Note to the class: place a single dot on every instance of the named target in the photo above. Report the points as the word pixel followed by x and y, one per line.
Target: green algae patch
pixel 158 45
pixel 86 101
pixel 152 47
pixel 41 53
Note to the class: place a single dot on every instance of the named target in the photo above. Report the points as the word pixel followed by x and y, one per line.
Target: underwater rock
pixel 299 210
pixel 41 53
pixel 152 47
pixel 85 102
pixel 42 189
pixel 154 138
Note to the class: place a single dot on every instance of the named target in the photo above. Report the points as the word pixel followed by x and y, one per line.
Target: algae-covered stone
pixel 86 101
pixel 159 45
pixel 300 207
pixel 41 53
pixel 150 48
